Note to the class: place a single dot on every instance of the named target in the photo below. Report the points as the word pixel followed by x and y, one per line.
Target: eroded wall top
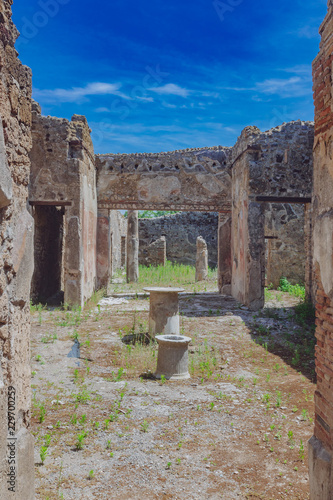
pixel 192 179
pixel 280 160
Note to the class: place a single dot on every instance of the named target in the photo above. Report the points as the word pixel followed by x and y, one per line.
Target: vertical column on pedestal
pixel 224 253
pixel 201 265
pixel 104 262
pixel 132 267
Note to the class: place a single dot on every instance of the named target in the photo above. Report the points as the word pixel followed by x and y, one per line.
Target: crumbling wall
pixel 191 179
pixel 274 166
pixel 181 232
pixel 285 243
pixel 321 445
pixel 111 245
pixel 155 253
pixel 63 174
pixel 16 262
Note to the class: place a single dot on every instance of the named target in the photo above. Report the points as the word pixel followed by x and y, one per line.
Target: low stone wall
pixel 181 232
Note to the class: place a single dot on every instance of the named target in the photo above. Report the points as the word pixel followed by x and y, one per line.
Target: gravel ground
pixel 234 430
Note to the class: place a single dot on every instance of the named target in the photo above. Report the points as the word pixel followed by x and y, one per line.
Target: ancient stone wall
pixel 111 245
pixel 155 253
pixel 321 445
pixel 16 259
pixel 181 232
pixel 274 166
pixel 193 180
pixel 63 174
pixel 285 243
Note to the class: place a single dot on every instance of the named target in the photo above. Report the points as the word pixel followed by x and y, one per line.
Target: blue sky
pixel 163 75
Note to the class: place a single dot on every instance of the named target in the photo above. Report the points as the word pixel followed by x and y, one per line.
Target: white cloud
pixel 79 94
pixel 102 110
pixel 171 89
pixel 298 85
pixel 146 99
pixel 308 32
pixel 168 105
pixel 291 87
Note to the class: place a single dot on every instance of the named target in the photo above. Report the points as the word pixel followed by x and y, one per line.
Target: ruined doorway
pixel 285 243
pixel 48 278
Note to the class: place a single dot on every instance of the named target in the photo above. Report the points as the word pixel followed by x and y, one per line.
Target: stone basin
pixel 172 361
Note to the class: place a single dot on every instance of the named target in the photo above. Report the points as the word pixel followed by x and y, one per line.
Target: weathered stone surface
pixel 277 163
pixel 224 254
pixel 286 253
pixel 201 264
pixel 181 231
pixel 195 180
pixel 16 258
pixel 6 189
pixel 63 174
pixel 321 445
pixel 155 253
pixel 132 267
pixel 172 360
pixel 163 311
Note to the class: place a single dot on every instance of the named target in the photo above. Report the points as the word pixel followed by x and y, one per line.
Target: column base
pixel 320 471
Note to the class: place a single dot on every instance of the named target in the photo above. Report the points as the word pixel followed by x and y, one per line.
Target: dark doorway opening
pixel 47 281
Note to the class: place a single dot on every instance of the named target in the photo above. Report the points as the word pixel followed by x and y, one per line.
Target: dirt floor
pixel 237 429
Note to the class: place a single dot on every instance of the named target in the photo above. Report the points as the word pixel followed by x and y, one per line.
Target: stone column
pixel 201 267
pixel 104 264
pixel 224 254
pixel 132 268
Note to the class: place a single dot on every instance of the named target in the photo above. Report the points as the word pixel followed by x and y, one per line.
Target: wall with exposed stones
pixel 16 258
pixel 193 180
pixel 111 245
pixel 285 243
pixel 321 445
pixel 277 165
pixel 181 232
pixel 63 174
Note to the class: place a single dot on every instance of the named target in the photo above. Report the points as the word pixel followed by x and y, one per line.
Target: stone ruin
pixel 201 265
pixel 51 180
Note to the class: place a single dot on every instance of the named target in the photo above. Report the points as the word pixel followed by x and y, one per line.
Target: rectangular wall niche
pixel 47 281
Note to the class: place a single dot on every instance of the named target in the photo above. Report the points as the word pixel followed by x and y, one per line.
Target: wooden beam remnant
pixel 52 203
pixel 284 199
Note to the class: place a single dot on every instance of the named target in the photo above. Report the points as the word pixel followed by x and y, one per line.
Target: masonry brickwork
pixel 190 179
pixel 273 165
pixel 286 252
pixel 321 445
pixel 16 257
pixel 63 174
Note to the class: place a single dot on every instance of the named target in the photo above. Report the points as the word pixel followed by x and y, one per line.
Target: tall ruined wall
pixel 321 445
pixel 277 165
pixel 285 243
pixel 194 180
pixel 63 173
pixel 16 258
pixel 181 232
